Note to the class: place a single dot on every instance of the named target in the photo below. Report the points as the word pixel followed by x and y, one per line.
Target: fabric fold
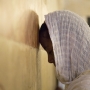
pixel 82 82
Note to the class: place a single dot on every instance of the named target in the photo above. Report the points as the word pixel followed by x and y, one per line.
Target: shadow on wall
pixel 1 87
pixel 22 28
pixel 28 23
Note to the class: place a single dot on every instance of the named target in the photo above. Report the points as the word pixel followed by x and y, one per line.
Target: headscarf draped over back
pixel 70 36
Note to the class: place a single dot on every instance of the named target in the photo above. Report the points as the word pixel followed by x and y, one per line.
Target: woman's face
pixel 47 45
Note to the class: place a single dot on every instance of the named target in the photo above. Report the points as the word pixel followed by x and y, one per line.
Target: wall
pixel 81 7
pixel 17 70
pixel 18 46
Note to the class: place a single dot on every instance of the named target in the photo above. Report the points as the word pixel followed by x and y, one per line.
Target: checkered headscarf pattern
pixel 70 36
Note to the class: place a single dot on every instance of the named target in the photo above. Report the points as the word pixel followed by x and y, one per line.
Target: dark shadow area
pixel 88 21
pixel 28 26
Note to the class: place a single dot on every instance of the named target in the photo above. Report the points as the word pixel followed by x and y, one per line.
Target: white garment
pixel 60 85
pixel 82 82
pixel 70 36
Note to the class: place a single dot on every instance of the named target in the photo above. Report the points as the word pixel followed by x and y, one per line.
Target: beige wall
pixel 18 69
pixel 18 46
pixel 81 7
pixel 54 5
pixel 18 22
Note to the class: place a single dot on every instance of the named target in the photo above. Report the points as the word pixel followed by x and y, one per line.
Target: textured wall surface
pixel 18 46
pixel 81 7
pixel 18 66
pixel 18 22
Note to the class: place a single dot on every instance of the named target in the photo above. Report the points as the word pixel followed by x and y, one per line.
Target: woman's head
pixel 46 43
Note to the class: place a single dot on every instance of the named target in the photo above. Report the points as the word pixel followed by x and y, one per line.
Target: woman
pixel 66 38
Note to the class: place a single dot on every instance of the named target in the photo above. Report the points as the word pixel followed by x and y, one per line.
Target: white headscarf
pixel 70 36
